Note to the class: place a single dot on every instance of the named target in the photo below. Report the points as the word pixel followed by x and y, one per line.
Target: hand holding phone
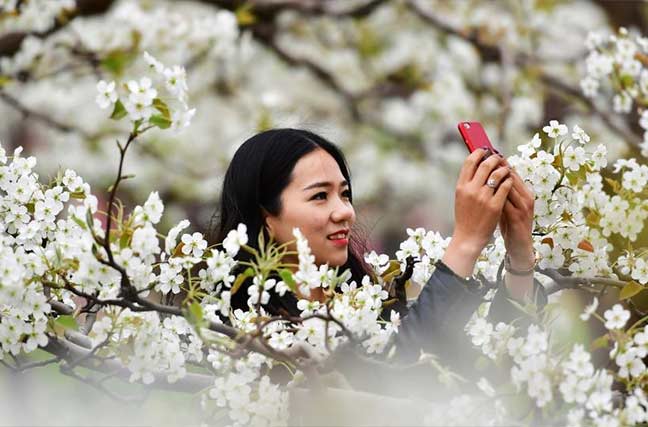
pixel 516 222
pixel 481 193
pixel 475 137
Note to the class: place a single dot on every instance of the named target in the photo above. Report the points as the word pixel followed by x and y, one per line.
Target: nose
pixel 343 212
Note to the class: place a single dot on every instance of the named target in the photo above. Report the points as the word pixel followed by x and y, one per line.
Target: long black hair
pixel 257 175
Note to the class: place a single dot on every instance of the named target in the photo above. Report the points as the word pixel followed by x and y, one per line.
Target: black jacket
pixel 434 324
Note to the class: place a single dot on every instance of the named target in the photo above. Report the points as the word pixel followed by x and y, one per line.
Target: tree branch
pixel 98 384
pixel 561 281
pixel 40 117
pixel 268 9
pixel 523 60
pixel 61 308
pixel 10 43
pixel 65 350
pixel 268 39
pixel 39 364
pixel 563 89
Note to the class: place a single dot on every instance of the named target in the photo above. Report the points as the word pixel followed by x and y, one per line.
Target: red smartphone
pixel 475 136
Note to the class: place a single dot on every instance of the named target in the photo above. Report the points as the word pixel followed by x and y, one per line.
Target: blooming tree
pixel 104 291
pixel 356 70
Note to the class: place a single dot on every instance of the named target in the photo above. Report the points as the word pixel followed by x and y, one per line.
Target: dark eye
pixel 347 194
pixel 319 196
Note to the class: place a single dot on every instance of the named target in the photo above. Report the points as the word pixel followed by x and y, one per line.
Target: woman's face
pixel 317 201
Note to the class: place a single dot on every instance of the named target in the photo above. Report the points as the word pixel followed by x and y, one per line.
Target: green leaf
pixel 287 277
pixel 79 222
pixel 119 112
pixel 264 121
pixel 162 107
pixel 160 121
pixel 4 80
pixel 592 219
pixel 194 314
pixel 369 45
pixel 600 342
pixel 616 187
pixel 631 289
pixel 392 271
pixel 117 60
pixel 244 15
pixel 67 322
pixel 80 195
pixel 240 279
pixel 627 80
pixel 575 177
pixel 261 241
pixel 196 310
pixel 124 239
pixel 136 126
pixel 89 219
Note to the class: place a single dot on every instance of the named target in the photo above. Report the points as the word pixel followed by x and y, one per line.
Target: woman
pixel 285 178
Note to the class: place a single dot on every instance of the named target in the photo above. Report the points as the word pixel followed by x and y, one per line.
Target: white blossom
pixel 589 310
pixel 107 95
pixel 555 129
pixel 616 317
pixel 235 239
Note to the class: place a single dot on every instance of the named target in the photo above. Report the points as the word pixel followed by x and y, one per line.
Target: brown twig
pixel 138 304
pixel 113 192
pixel 561 281
pixel 271 8
pixel 71 364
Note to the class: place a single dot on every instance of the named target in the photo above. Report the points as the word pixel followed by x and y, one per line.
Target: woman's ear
pixel 267 224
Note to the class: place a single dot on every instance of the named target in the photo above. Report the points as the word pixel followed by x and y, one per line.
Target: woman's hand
pixel 478 208
pixel 516 223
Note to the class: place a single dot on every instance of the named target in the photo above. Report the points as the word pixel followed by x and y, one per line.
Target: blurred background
pixel 387 80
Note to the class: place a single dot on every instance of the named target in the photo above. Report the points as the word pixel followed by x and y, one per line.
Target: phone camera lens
pixel 466 125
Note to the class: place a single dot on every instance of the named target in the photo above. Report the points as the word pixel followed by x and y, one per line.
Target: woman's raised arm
pixel 481 192
pixel 487 192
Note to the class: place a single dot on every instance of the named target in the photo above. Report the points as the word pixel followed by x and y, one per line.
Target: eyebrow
pixel 343 183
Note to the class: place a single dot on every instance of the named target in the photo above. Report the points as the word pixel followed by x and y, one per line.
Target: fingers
pixel 470 165
pixel 522 187
pixel 514 196
pixel 521 195
pixel 502 192
pixel 509 210
pixel 499 174
pixel 518 183
pixel 485 169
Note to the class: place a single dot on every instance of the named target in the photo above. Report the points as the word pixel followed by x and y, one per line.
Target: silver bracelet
pixel 515 272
